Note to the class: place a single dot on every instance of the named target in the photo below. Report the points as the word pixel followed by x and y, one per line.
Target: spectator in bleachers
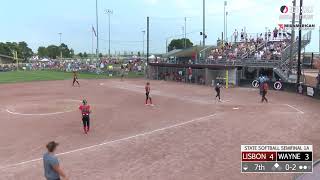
pixel 235 35
pixel 275 33
pixel 268 48
pixel 242 35
pixel 266 36
pixel 269 35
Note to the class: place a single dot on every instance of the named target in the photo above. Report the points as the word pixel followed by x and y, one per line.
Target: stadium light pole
pixel 204 24
pixel 143 34
pixel 109 12
pixel 97 24
pixel 148 34
pixel 292 33
pixel 226 26
pixel 204 28
pixel 185 32
pixel 60 35
pixel 224 22
pixel 299 45
pixel 92 39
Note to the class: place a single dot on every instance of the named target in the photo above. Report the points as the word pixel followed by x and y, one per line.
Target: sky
pixel 38 22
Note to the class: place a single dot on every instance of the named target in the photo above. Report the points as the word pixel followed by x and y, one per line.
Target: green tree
pixel 85 55
pixel 80 55
pixel 13 46
pixel 179 44
pixel 100 55
pixel 5 50
pixel 42 52
pixel 71 53
pixel 25 51
pixel 65 51
pixel 53 51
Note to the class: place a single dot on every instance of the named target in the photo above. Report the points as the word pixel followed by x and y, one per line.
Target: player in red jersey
pixel 190 74
pixel 148 97
pixel 265 88
pixel 85 112
pixel 75 78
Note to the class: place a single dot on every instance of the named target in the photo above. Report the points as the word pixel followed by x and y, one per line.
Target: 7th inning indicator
pixel 276 158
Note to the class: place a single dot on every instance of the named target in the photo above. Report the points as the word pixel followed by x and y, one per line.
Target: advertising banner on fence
pixel 310 91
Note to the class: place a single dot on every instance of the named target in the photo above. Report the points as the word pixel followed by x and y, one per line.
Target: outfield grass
pixel 29 76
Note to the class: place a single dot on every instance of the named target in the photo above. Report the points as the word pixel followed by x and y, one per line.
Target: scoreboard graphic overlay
pixel 276 159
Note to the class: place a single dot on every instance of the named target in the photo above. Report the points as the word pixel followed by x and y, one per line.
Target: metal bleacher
pixel 284 68
pixel 281 67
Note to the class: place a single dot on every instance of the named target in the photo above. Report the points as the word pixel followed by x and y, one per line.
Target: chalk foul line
pixel 116 141
pixel 298 110
pixel 43 114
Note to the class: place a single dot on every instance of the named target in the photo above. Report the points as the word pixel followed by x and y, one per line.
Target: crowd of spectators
pixel 181 76
pixel 79 65
pixel 259 47
pixel 7 67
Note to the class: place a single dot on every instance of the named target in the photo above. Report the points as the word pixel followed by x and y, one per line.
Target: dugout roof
pixel 188 52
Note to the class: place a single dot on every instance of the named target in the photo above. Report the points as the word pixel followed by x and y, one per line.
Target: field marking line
pixel 115 141
pixel 42 114
pixel 72 100
pixel 299 111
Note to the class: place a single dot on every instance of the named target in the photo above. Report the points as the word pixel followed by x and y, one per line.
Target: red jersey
pixel 85 110
pixel 265 86
pixel 147 89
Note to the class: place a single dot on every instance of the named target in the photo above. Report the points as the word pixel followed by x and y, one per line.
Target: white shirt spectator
pixel 235 34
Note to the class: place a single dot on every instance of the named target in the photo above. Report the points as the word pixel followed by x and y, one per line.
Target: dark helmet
pixel 84 102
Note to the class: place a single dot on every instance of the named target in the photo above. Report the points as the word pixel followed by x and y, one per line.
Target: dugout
pixel 201 74
pixel 6 59
pixel 252 73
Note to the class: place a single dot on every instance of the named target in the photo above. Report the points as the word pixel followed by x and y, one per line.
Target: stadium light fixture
pixel 60 36
pixel 97 24
pixel 143 35
pixel 109 12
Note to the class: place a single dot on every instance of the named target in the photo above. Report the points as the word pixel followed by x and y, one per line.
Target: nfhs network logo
pixel 284 9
